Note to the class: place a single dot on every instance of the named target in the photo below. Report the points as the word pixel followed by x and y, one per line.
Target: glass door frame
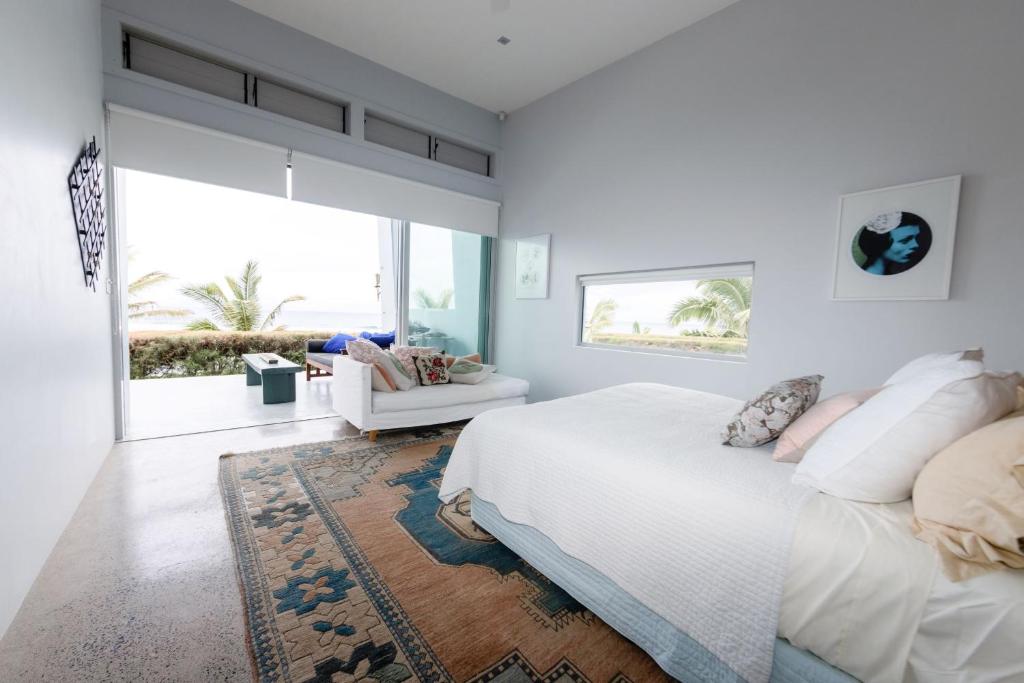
pixel 401 236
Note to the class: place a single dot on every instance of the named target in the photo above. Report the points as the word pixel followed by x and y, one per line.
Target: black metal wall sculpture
pixel 85 184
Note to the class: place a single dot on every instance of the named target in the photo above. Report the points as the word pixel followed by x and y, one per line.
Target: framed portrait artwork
pixel 532 254
pixel 896 243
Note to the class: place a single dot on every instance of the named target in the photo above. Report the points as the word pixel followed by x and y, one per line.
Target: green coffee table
pixel 277 378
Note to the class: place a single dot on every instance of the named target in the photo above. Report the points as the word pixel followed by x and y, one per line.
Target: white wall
pixel 56 401
pixel 732 141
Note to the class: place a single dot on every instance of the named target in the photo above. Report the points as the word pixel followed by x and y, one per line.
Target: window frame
pixel 681 274
pixel 251 79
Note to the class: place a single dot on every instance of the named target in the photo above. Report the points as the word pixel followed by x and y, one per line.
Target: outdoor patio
pixel 187 405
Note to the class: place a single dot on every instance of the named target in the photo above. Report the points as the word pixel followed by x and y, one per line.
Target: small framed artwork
pixel 532 255
pixel 896 243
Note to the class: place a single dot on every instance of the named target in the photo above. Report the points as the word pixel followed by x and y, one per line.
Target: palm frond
pixel 204 325
pixel 250 279
pixel 269 320
pixel 148 280
pixel 734 291
pixel 211 296
pixel 236 289
pixel 148 309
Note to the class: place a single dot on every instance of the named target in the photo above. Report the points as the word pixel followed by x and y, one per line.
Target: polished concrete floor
pixel 141 585
pixel 186 405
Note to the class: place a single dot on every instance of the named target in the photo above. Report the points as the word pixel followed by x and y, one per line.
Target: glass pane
pixel 689 316
pixel 394 136
pixel 449 273
pixel 172 65
pixel 297 105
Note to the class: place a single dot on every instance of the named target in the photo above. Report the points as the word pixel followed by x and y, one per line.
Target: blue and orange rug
pixel 352 570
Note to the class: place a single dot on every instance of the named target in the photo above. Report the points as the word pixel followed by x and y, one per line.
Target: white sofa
pixel 369 410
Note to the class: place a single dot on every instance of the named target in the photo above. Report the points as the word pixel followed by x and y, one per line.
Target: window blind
pixel 154 144
pixel 343 186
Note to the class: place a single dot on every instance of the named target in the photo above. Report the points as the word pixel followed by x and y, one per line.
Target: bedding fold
pixel 633 481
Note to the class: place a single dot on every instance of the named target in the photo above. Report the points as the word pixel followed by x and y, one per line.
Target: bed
pixel 709 558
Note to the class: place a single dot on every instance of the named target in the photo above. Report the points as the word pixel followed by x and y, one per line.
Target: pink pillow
pixel 799 436
pixel 405 354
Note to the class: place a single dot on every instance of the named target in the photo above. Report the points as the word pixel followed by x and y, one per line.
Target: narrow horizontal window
pixel 197 71
pixel 396 136
pixel 423 144
pixel 170 64
pixel 298 105
pixel 462 157
pixel 698 311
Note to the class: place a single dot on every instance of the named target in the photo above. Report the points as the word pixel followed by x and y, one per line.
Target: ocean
pixel 325 321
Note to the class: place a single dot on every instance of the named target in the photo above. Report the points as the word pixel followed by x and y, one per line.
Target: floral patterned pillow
pixel 767 416
pixel 362 350
pixel 405 355
pixel 432 369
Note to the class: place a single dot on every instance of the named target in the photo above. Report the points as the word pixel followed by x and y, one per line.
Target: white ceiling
pixel 452 44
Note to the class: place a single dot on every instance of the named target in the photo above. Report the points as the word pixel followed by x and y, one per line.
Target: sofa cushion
pixel 336 344
pixel 493 388
pixel 323 358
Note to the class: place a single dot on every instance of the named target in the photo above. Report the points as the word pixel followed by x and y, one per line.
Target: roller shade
pixel 154 144
pixel 330 183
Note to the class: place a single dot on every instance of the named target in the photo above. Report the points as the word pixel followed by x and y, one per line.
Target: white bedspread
pixel 866 596
pixel 633 481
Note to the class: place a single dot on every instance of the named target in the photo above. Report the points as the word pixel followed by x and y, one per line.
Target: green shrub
pixel 196 354
pixel 692 343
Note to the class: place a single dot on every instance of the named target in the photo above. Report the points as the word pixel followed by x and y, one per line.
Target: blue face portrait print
pixel 891 243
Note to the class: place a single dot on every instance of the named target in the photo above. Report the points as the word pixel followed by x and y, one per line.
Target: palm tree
pixel 637 330
pixel 723 306
pixel 242 311
pixel 602 317
pixel 150 309
pixel 426 301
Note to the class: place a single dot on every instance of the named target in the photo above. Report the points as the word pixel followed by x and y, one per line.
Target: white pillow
pixel 875 452
pixel 464 371
pixel 931 361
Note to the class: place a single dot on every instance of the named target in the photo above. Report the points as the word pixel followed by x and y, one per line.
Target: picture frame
pixel 532 264
pixel 896 243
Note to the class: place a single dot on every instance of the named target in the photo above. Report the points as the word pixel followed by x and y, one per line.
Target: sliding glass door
pixel 448 292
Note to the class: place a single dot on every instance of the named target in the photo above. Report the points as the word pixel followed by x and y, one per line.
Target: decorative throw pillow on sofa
pixel 380 379
pixel 473 358
pixel 969 500
pixel 799 436
pixel 367 352
pixel 336 344
pixel 874 453
pixel 432 369
pixel 765 417
pixel 465 371
pixel 362 350
pixel 405 355
pixel 403 380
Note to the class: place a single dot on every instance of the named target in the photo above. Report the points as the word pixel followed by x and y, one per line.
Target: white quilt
pixel 633 481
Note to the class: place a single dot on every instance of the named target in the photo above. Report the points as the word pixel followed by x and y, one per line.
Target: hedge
pixel 695 344
pixel 196 354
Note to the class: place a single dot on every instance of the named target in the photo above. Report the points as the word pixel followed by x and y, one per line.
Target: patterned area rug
pixel 352 570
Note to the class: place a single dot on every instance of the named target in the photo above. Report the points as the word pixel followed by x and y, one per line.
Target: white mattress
pixel 865 595
pixel 493 388
pixel 634 481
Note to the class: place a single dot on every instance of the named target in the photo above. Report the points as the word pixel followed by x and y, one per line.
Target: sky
pixel 648 303
pixel 199 233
